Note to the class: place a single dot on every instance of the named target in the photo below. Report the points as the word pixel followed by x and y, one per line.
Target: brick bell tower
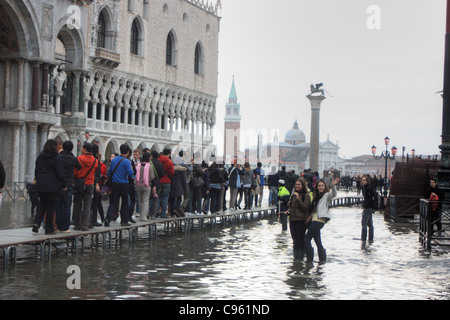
pixel 232 119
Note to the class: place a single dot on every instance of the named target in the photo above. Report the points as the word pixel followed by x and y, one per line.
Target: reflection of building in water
pixel 294 152
pixel 138 72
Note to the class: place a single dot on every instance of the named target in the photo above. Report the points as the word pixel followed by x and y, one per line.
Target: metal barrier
pixel 346 201
pixel 15 191
pixel 427 236
pixel 403 206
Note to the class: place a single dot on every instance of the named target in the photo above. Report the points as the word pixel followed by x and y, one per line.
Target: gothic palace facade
pixel 141 72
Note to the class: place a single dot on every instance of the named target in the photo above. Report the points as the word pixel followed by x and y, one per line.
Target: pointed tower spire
pixel 233 96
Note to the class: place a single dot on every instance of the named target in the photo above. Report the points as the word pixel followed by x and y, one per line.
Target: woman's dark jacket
pixel 49 172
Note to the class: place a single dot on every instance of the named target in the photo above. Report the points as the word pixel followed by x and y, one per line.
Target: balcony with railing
pixel 106 57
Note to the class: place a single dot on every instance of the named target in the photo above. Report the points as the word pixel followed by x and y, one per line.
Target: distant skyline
pixel 383 81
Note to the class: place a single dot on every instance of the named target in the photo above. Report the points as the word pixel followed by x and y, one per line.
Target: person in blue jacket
pixel 121 167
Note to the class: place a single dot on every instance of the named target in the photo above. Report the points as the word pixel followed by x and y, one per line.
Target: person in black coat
pixel 50 180
pixel 368 205
pixel 64 203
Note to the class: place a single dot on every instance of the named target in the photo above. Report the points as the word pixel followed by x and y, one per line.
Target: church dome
pixel 295 135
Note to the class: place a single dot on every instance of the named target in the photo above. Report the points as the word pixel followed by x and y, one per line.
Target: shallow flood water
pixel 251 260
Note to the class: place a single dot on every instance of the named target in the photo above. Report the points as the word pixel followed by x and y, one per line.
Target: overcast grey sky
pixel 383 81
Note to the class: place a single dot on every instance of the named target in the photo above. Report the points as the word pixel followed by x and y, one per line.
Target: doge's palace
pixel 140 72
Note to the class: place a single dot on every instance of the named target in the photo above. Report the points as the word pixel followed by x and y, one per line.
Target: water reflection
pixel 245 261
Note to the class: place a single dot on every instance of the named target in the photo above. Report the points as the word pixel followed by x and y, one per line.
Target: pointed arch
pixel 137 37
pixel 199 59
pixel 171 49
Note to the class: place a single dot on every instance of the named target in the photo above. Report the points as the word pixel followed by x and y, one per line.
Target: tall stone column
pixel 7 97
pixel 20 84
pixel 444 165
pixel 32 148
pixel 16 151
pixel 35 103
pixel 315 131
pixel 44 91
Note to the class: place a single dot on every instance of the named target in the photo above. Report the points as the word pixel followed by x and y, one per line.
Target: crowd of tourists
pixel 69 190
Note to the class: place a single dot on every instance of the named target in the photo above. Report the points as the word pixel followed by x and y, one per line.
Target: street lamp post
pixel 387 156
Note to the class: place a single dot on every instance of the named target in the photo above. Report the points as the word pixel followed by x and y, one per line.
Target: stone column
pixel 315 131
pixel 444 164
pixel 102 114
pixel 7 96
pixel 44 91
pixel 94 113
pixel 35 87
pixel 32 148
pixel 15 168
pixel 20 84
pixel 43 136
pixel 76 94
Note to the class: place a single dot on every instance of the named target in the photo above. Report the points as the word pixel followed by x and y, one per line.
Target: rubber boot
pixel 310 255
pixel 322 255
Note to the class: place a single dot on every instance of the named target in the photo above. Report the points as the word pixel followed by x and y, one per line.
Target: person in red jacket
pixel 163 199
pixel 83 198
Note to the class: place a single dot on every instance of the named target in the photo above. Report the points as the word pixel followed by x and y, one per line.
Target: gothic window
pixel 198 63
pixel 169 47
pixel 135 37
pixel 171 51
pixel 101 38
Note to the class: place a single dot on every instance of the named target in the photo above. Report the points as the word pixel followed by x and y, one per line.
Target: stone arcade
pixel 126 71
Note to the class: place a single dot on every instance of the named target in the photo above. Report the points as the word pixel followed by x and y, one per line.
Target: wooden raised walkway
pixel 11 239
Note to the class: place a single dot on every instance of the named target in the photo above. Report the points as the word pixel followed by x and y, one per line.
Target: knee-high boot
pixel 322 255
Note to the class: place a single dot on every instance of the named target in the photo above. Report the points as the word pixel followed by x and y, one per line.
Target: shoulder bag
pixel 108 182
pixel 79 184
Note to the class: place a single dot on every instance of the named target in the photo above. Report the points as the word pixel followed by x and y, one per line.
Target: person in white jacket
pixel 320 215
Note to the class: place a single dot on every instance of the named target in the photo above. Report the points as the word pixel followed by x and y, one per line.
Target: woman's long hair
pixel 316 190
pixel 51 145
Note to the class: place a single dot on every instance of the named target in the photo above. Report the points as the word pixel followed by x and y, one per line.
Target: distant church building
pixel 140 72
pixel 294 152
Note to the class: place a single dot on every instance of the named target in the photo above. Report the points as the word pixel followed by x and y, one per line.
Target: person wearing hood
pixel 82 201
pixel 177 187
pixel 63 209
pixel 50 180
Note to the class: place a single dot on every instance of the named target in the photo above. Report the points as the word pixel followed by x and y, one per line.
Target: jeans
pixel 314 233
pixel 63 209
pixel 273 195
pixel 163 200
pixel 248 197
pixel 298 231
pixel 82 207
pixel 366 222
pixel 119 191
